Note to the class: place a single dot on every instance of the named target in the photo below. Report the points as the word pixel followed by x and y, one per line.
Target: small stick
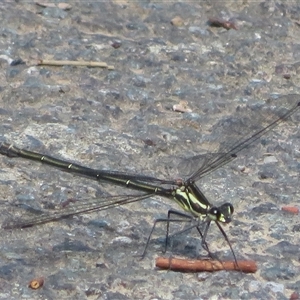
pixel 185 265
pixel 291 209
pixel 44 62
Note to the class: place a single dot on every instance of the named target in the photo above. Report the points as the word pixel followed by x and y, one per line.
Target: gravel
pixel 122 119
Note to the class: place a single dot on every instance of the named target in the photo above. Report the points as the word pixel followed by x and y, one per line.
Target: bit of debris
pixel 297 23
pixel 291 209
pixel 295 296
pixel 116 44
pixel 63 6
pixel 270 159
pixel 182 107
pixel 44 62
pixel 177 21
pixel 36 283
pixel 216 22
pixel 149 142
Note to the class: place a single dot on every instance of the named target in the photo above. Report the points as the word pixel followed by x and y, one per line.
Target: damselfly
pixel 185 192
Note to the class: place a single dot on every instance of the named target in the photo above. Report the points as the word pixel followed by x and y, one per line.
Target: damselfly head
pixel 222 213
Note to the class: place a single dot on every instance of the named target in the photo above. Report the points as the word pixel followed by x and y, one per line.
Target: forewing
pixel 238 132
pixel 73 209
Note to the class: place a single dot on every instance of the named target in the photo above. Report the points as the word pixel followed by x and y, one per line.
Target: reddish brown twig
pixel 185 265
pixel 291 209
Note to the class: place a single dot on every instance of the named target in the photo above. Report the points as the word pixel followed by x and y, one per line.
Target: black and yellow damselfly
pixel 185 192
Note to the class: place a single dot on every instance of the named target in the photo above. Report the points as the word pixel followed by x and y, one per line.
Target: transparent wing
pixel 73 209
pixel 240 131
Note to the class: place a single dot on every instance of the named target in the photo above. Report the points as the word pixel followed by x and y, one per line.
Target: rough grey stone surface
pixel 123 120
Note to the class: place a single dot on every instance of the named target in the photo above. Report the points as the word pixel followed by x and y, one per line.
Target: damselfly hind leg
pixel 181 217
pixel 190 218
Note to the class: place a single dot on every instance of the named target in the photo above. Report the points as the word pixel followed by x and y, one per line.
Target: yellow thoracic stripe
pixel 189 202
